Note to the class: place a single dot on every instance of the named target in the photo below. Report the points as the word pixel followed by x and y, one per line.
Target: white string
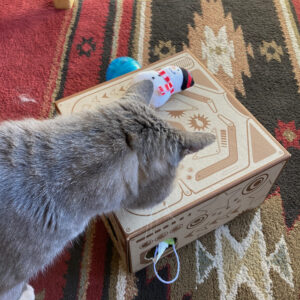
pixel 178 267
pixel 151 220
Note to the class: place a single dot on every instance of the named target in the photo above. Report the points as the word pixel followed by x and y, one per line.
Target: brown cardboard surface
pixel 244 157
pixel 193 223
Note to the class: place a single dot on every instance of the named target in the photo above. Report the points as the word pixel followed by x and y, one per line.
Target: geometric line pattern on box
pixel 203 218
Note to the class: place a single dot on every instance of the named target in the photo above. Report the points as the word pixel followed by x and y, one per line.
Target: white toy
pixel 167 81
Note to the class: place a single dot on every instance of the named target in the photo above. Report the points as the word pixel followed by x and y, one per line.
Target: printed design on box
pixel 100 97
pixel 186 63
pixel 255 184
pixel 215 158
pixel 198 220
pixel 199 122
pixel 223 159
pixel 241 147
pixel 207 216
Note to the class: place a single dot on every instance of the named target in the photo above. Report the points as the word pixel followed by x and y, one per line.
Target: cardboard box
pixel 213 186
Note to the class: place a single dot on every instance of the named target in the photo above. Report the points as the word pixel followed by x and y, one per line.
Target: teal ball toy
pixel 121 66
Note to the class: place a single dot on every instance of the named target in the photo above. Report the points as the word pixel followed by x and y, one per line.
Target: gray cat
pixel 55 175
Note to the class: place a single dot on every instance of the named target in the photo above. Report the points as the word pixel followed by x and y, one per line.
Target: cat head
pixel 158 164
pixel 159 149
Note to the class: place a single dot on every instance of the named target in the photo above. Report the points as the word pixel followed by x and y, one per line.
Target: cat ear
pixel 140 91
pixel 131 140
pixel 193 142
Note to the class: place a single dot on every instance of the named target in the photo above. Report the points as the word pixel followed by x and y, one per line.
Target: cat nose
pixel 188 80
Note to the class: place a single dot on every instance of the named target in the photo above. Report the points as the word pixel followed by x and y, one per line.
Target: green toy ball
pixel 121 66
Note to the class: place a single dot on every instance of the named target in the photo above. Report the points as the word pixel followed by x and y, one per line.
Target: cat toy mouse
pixel 166 82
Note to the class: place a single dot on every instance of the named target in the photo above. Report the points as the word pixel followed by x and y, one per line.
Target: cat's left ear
pixel 140 91
pixel 131 140
pixel 193 142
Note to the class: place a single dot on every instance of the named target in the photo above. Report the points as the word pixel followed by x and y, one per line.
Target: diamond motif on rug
pixel 243 263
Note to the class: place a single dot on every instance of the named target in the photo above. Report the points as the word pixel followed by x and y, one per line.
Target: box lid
pixel 242 149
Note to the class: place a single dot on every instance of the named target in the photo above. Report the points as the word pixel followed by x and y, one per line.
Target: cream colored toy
pixel 167 81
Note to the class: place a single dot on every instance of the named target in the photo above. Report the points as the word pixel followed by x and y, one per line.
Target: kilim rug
pixel 253 47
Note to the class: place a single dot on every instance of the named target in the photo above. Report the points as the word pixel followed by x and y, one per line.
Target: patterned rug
pixel 253 47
